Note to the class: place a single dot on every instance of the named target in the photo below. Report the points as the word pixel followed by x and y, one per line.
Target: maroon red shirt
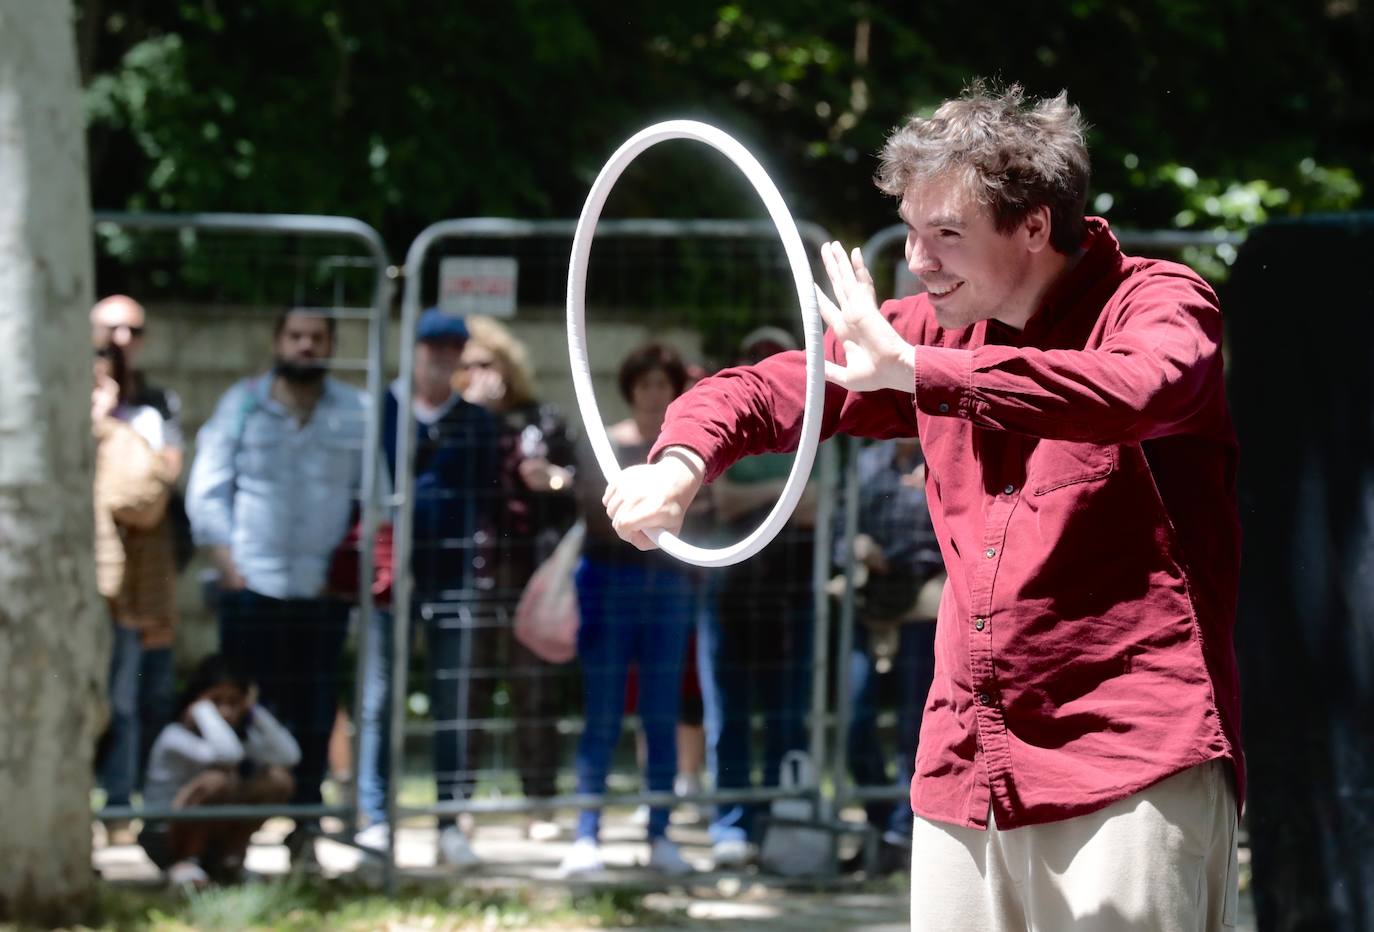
pixel 1081 479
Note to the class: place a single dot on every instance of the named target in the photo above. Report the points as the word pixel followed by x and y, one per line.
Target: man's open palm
pixel 876 357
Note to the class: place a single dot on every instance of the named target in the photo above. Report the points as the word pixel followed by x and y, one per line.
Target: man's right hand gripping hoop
pixel 811 324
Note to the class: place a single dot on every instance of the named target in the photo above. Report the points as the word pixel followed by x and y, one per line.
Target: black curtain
pixel 1300 312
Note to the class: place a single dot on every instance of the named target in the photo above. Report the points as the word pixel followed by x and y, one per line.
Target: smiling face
pixel 971 271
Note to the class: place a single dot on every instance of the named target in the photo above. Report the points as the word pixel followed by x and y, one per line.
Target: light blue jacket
pixel 279 494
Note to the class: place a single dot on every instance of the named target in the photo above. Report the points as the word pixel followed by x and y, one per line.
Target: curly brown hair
pixel 1016 154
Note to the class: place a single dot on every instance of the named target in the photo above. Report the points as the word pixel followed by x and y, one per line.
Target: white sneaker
pixel 540 829
pixel 584 857
pixel 640 817
pixel 665 856
pixel 455 850
pixel 187 875
pixel 731 853
pixel 374 838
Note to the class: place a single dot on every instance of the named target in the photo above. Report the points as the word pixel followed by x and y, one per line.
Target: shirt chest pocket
pixel 333 460
pixel 1059 463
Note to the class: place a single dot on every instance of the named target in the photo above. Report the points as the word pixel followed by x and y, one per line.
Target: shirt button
pixel 1009 489
pixel 980 623
pixel 984 699
pixel 944 408
pixel 990 553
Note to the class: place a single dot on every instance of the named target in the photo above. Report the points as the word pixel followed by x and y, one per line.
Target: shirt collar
pixel 1100 256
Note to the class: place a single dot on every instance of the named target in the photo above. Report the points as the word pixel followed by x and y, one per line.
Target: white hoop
pixel 811 325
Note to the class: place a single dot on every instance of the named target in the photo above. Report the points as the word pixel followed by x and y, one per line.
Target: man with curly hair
pixel 1079 763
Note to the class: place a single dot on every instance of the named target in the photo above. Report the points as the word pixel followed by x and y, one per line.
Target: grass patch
pixel 295 904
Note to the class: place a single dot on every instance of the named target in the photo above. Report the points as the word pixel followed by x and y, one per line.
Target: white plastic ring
pixel 811 325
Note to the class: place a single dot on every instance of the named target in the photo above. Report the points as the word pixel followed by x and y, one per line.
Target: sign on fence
pixel 478 285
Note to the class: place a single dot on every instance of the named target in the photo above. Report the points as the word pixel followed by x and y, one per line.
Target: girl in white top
pixel 222 749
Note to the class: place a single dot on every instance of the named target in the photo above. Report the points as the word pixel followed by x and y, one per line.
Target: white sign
pixel 478 285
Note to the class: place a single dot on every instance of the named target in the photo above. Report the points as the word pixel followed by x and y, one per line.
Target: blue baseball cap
pixel 435 326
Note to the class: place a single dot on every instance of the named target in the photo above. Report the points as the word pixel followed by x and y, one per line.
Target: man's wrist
pixel 688 456
pixel 908 368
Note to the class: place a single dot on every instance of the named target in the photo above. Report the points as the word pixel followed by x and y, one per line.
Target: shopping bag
pixel 546 617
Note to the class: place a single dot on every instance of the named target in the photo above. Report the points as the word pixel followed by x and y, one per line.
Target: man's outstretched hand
pixel 876 357
pixel 654 495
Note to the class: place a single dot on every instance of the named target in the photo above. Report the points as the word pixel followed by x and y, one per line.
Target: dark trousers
pixel 291 649
pixel 913 668
pixel 639 614
pixel 471 652
pixel 759 651
pixel 141 702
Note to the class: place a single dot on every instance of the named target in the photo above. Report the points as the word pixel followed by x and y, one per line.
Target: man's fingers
pixel 834 270
pixel 861 272
pixel 843 270
pixel 856 261
pixel 837 374
pixel 829 312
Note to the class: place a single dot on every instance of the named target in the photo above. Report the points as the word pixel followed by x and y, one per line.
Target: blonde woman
pixel 536 487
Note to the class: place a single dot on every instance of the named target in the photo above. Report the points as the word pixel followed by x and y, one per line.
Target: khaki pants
pixel 1163 860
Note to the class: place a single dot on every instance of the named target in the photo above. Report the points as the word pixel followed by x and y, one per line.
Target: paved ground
pixel 709 899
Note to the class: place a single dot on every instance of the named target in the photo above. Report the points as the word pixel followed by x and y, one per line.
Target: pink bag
pixel 546 617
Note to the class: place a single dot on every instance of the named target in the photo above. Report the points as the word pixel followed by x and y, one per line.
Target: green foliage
pixel 1220 205
pixel 402 114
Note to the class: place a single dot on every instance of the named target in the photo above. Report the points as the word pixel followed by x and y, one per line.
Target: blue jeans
pixel 913 668
pixel 463 672
pixel 759 649
pixel 631 614
pixel 141 702
pixel 291 649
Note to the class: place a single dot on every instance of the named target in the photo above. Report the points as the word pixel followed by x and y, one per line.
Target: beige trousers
pixel 1163 860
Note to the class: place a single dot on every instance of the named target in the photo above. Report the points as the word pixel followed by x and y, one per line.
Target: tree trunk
pixel 53 637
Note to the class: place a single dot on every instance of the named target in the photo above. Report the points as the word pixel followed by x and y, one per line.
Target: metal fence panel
pixel 214 283
pixel 700 283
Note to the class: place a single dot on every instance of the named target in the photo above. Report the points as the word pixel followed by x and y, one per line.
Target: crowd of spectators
pixel 273 497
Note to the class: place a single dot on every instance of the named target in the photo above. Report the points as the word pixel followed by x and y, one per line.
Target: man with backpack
pixel 272 493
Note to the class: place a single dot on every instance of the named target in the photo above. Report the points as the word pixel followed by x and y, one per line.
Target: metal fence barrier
pixel 214 283
pixel 703 284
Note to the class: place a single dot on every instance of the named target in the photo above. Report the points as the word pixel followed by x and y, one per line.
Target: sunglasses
pixel 133 331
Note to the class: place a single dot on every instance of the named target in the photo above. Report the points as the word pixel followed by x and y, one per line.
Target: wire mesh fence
pixel 662 662
pixel 680 686
pixel 253 370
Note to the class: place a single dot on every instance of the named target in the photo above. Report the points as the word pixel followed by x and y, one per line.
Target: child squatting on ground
pixel 222 748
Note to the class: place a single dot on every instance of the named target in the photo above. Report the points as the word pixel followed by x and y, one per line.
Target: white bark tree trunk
pixel 53 635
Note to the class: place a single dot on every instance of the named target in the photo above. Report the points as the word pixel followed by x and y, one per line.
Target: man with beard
pixel 271 495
